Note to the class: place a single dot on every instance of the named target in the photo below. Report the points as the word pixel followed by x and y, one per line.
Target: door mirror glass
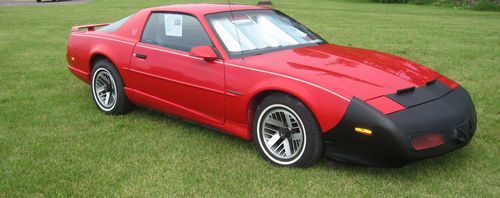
pixel 206 52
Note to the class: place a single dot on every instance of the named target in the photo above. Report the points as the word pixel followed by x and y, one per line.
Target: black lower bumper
pixel 452 115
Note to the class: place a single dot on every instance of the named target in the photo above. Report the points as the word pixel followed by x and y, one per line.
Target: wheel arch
pixel 327 106
pixel 97 56
pixel 259 96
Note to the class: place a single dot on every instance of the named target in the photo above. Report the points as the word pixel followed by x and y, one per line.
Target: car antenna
pixel 236 29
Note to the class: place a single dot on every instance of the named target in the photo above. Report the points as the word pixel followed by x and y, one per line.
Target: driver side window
pixel 176 31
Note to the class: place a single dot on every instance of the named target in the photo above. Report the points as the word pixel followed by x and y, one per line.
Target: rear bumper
pixel 82 75
pixel 452 115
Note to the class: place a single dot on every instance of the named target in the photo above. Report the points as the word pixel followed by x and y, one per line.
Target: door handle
pixel 141 56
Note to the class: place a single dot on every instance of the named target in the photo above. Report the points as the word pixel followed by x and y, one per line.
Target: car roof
pixel 206 8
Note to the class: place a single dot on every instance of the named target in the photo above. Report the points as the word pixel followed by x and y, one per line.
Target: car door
pixel 162 69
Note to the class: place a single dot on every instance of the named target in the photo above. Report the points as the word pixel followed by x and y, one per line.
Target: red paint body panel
pixel 385 105
pixel 252 80
pixel 219 93
pixel 82 75
pixel 175 76
pixel 447 81
pixel 365 74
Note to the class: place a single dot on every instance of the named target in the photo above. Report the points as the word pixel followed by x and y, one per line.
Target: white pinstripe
pixel 228 64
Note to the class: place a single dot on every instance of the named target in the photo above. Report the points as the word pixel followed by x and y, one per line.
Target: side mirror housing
pixel 206 52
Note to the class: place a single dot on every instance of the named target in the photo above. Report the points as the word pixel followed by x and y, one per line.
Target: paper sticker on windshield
pixel 173 25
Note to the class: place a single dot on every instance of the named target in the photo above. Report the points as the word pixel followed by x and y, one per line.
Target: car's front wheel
pixel 286 132
pixel 107 89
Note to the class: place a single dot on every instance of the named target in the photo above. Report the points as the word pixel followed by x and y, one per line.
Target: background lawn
pixel 54 141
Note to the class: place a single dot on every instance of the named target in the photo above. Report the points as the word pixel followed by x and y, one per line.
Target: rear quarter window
pixel 114 26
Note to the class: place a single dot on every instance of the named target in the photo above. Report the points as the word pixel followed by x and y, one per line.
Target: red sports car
pixel 258 74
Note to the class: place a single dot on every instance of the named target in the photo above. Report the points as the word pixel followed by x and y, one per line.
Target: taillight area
pixel 450 83
pixel 421 142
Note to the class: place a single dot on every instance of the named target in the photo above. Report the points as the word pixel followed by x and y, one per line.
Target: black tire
pixel 38 1
pixel 311 148
pixel 113 84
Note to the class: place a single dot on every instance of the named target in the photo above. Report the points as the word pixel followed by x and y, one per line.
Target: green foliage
pixel 422 2
pixel 480 5
pixel 442 2
pixel 391 1
pixel 486 5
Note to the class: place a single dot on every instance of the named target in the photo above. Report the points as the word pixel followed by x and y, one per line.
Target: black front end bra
pixel 437 120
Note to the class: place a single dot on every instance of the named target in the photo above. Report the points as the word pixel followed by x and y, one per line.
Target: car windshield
pixel 259 31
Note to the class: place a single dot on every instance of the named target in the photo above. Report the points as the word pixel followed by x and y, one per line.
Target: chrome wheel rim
pixel 104 88
pixel 282 133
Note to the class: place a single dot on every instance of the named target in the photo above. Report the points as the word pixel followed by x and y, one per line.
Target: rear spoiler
pixel 88 28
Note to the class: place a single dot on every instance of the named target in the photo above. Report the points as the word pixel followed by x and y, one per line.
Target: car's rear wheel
pixel 286 132
pixel 107 89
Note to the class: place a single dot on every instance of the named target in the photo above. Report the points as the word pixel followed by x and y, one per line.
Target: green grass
pixel 54 141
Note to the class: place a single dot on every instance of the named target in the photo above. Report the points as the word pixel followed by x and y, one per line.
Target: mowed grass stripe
pixel 54 141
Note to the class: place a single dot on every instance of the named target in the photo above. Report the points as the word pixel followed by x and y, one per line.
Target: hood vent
pixel 430 82
pixel 412 96
pixel 405 90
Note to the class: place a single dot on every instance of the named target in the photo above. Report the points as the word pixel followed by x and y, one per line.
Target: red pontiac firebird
pixel 258 74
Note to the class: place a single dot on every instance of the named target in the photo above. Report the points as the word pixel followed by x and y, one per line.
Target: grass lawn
pixel 54 141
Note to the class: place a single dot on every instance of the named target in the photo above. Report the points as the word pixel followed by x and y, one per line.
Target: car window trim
pixel 183 13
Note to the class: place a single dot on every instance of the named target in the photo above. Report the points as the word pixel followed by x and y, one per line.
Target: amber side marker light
pixel 363 131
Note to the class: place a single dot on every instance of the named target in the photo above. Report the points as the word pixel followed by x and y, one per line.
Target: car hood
pixel 362 73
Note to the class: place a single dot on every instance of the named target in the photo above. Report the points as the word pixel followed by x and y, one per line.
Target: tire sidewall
pixel 264 113
pixel 121 99
pixel 99 105
pixel 312 134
